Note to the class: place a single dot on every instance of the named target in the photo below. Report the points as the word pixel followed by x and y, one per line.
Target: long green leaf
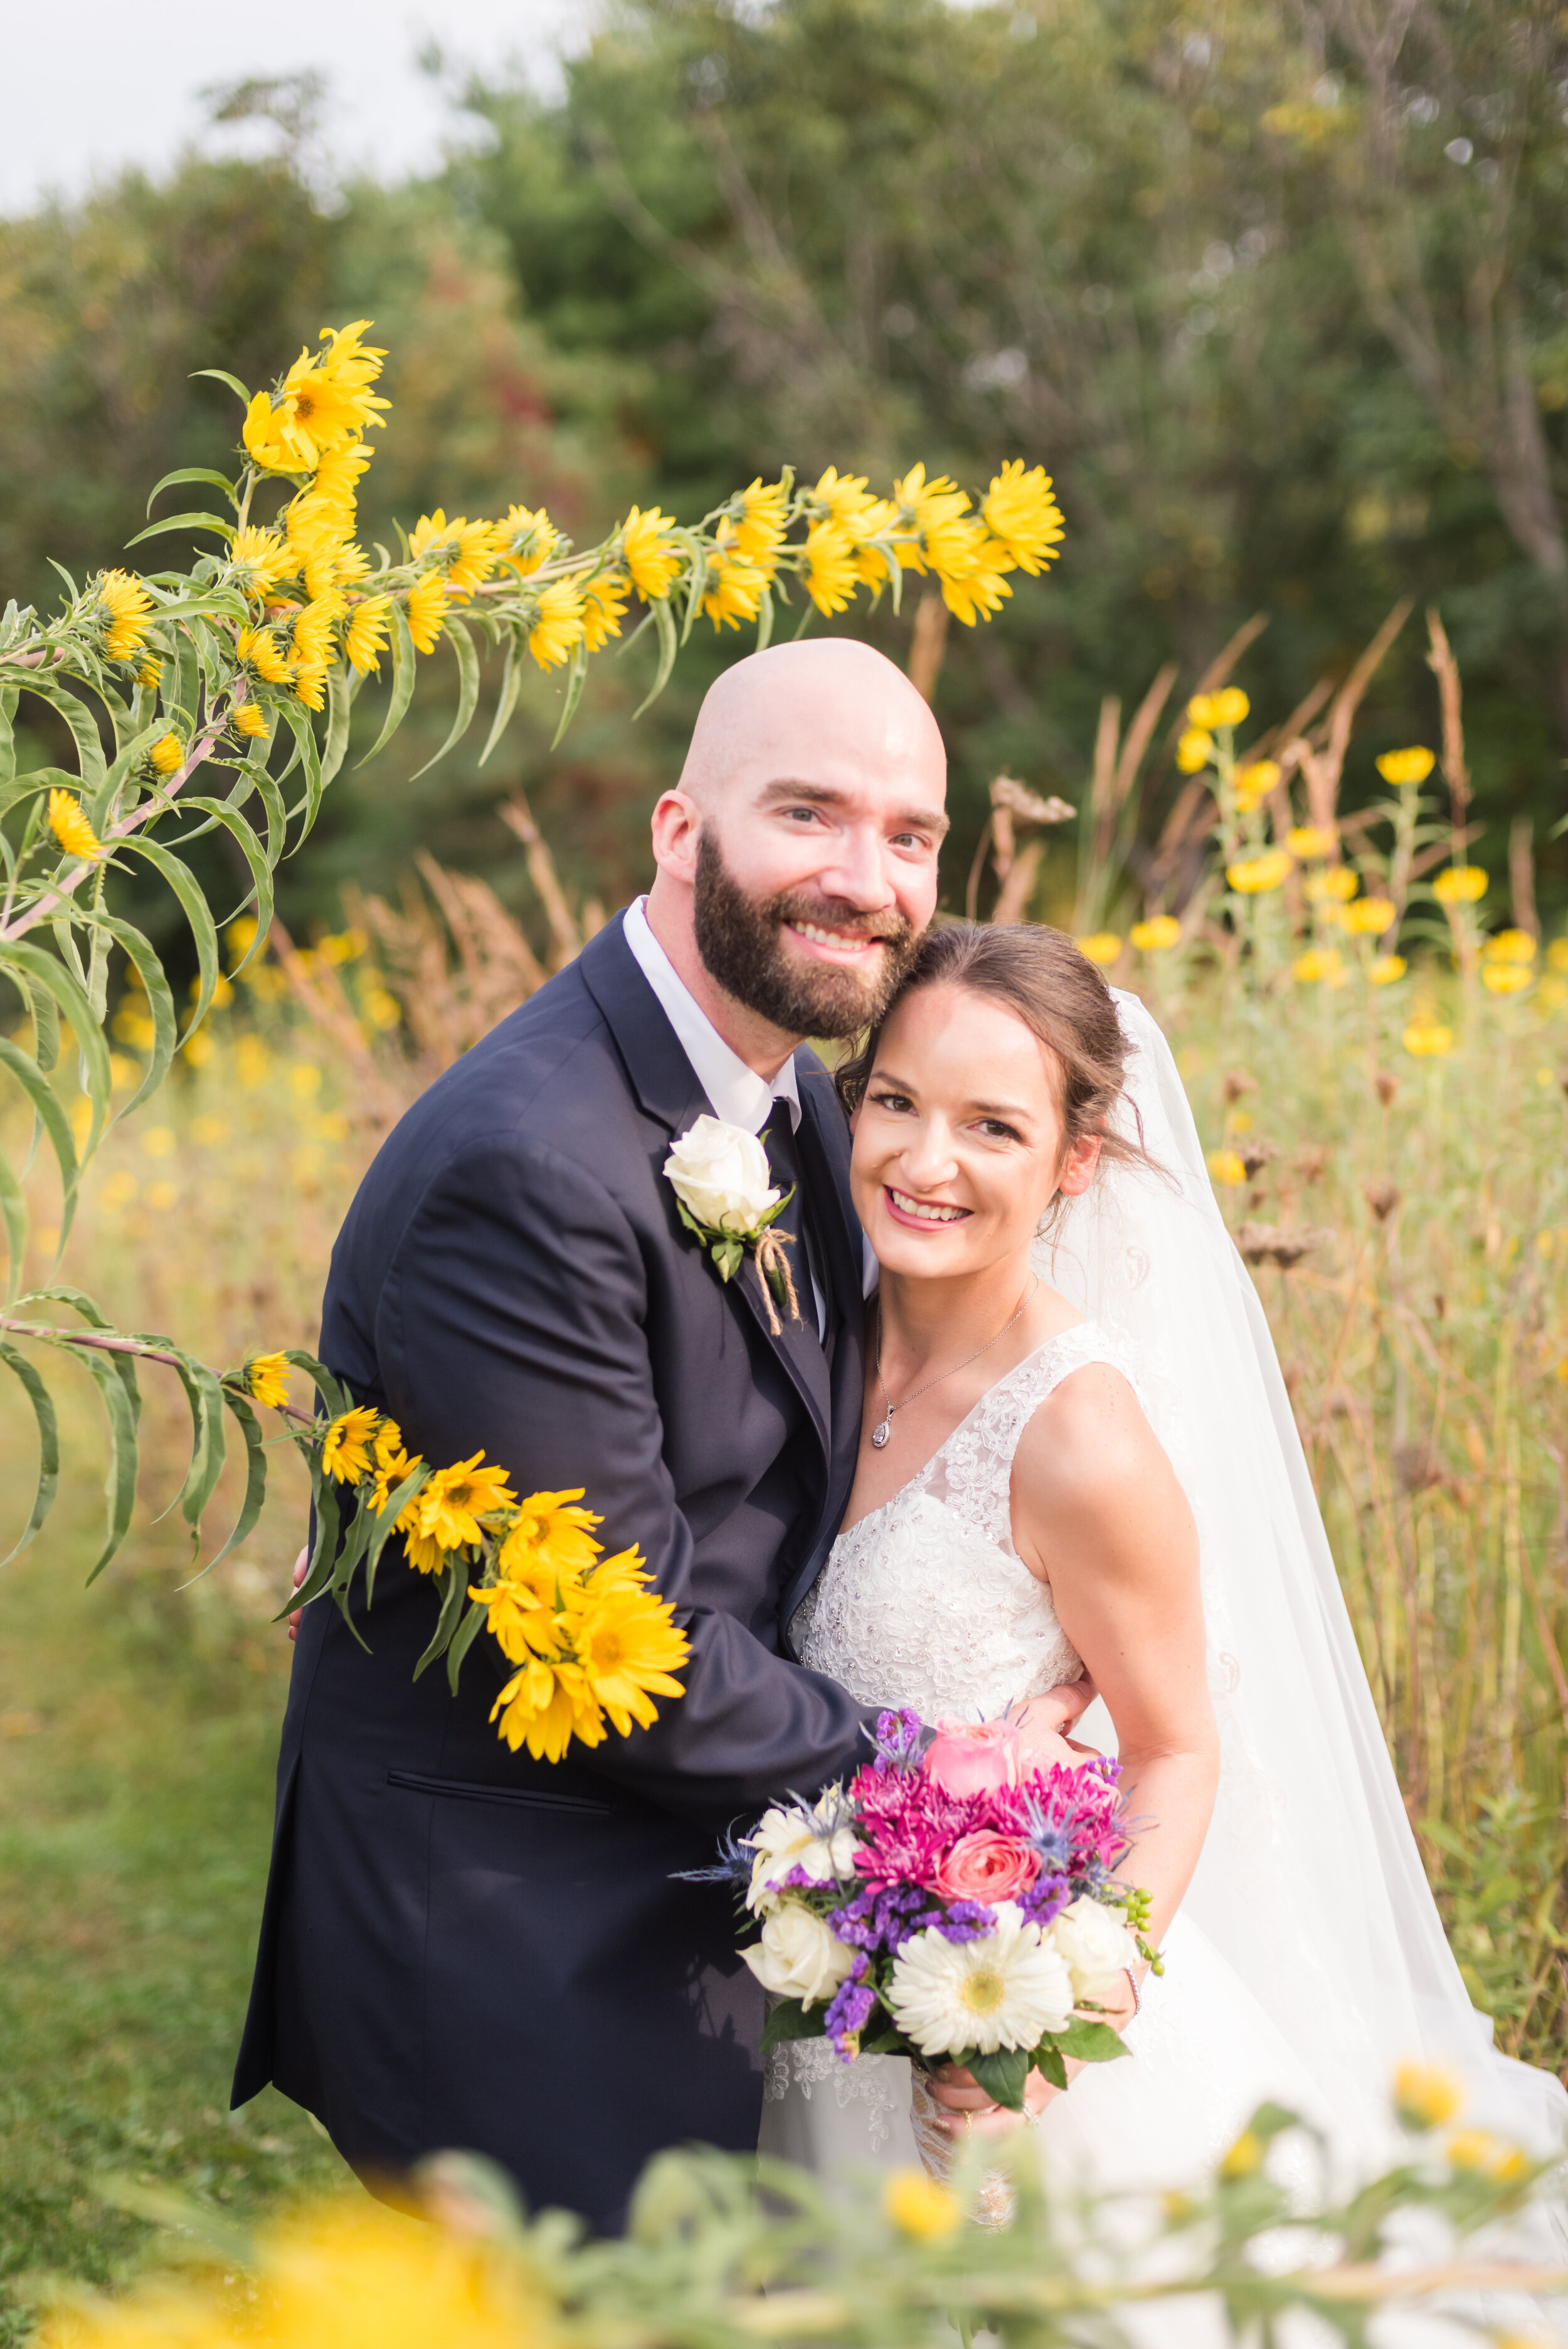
pixel 83 727
pixel 205 1398
pixel 511 687
pixel 159 1001
pixel 251 849
pixel 334 1396
pixel 272 799
pixel 256 1475
pixel 386 1523
pixel 187 681
pixel 456 1582
pixel 339 705
pixel 467 692
pixel 300 726
pixel 221 375
pixel 669 645
pixel 46 1104
pixel 402 681
pixel 193 902
pixel 476 1620
pixel 7 736
pixel 318 1573
pixel 46 1028
pixel 576 676
pixel 182 521
pixel 71 997
pixel 190 473
pixel 48 1446
pixel 765 620
pixel 121 1403
pixel 14 1212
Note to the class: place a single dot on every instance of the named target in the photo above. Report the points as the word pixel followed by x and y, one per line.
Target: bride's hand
pixel 1043 1721
pixel 967 2110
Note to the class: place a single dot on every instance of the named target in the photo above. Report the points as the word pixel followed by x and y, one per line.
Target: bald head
pixel 797 855
pixel 798 710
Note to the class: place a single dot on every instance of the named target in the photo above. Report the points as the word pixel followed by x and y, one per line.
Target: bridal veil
pixel 1310 1883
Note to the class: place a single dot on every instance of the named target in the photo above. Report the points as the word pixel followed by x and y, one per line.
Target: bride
pixel 1078 1479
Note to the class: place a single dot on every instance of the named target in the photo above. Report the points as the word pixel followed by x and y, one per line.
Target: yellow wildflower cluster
pixel 1406 767
pixel 1461 884
pixel 319 599
pixel 590 1639
pixel 1506 962
pixel 1253 876
pixel 591 1642
pixel 1157 934
pixel 68 822
pixel 122 608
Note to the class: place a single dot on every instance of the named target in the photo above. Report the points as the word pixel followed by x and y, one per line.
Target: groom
pixel 460 1946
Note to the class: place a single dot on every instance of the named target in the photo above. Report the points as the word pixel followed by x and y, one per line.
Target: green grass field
pixel 136 1770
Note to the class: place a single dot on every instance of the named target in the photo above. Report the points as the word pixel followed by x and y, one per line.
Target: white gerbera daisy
pixel 1003 1991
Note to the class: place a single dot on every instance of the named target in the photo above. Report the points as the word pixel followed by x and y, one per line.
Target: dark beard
pixel 739 942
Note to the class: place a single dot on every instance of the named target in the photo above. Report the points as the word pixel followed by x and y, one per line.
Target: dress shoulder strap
pixel 973 1473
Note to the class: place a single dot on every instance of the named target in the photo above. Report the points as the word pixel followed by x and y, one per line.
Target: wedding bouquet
pixel 954 1906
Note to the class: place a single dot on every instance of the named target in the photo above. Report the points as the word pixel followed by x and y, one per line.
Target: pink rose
pixel 973 1757
pixel 986 1865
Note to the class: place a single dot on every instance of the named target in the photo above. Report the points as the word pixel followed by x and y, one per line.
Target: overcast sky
pixel 90 85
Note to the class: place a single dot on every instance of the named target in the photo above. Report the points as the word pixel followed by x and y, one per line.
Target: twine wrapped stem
pixel 773 1268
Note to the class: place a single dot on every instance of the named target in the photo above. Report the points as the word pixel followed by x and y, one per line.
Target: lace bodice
pixel 924 1601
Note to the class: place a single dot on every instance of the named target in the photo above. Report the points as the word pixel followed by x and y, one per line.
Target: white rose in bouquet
pixel 1095 1945
pixel 720 1174
pixel 797 1956
pixel 786 1838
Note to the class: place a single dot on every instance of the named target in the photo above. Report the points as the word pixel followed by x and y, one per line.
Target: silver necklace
pixel 881 1432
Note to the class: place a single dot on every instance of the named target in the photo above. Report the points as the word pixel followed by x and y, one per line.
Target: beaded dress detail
pixel 925 1601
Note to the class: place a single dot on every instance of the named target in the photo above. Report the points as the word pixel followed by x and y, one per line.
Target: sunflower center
pixel 982 1991
pixel 607 1651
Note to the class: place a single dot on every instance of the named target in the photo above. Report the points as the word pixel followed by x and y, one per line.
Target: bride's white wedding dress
pixel 1308 1957
pixel 926 1602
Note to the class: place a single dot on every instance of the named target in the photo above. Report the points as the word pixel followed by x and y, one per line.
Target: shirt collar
pixel 739 1096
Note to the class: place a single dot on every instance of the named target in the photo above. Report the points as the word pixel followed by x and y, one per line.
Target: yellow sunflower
pixel 345 1447
pixel 558 626
pixel 652 559
pixel 1021 511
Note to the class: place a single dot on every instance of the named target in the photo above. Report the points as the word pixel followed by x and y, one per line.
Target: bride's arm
pixel 1098 1514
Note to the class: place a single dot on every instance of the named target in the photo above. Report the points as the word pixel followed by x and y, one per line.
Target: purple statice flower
pixel 1046 1898
pixel 967 1920
pixel 883 1919
pixel 898 1738
pixel 847 2013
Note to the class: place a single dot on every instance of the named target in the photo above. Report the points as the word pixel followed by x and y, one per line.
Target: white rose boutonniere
pixel 720 1175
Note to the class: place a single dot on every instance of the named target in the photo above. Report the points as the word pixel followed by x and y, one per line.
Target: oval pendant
pixel 880 1434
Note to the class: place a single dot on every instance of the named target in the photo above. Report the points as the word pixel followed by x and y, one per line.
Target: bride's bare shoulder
pixel 1090 1443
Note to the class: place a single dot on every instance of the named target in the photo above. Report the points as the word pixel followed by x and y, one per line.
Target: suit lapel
pixel 664 1082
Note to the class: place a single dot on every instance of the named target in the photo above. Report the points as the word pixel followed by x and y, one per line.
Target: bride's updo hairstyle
pixel 1039 975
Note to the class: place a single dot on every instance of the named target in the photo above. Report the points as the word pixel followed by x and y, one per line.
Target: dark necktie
pixel 805 1256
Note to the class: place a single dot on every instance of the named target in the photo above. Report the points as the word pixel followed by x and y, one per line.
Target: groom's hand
pixel 301 1563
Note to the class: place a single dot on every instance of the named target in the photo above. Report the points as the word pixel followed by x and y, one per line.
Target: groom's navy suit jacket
pixel 462 1947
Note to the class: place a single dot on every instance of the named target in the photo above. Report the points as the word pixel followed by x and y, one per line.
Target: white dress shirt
pixel 739 1096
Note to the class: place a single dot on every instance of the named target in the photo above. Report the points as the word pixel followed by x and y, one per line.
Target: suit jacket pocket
pixel 473 1791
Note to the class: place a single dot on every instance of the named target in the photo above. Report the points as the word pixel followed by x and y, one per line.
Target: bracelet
pixel 1136 1994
